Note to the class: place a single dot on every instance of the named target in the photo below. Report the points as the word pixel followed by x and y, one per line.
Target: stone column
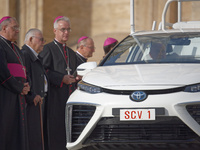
pixel 31 16
pixel 4 8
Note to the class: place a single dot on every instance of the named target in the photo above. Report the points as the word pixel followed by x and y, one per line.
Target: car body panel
pixel 140 76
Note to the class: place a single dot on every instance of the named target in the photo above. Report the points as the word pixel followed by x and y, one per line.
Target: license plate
pixel 137 114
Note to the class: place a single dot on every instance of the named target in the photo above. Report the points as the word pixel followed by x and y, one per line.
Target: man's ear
pixel 81 47
pixel 30 39
pixel 4 28
pixel 54 30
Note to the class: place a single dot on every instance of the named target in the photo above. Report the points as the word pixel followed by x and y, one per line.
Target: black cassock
pixel 35 72
pixel 13 134
pixel 80 59
pixel 55 63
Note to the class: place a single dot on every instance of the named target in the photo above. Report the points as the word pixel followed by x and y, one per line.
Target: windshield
pixel 157 48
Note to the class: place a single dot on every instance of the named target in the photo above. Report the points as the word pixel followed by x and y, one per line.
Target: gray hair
pixel 82 42
pixel 6 22
pixel 31 33
pixel 55 25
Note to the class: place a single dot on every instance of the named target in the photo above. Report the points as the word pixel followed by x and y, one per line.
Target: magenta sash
pixel 17 70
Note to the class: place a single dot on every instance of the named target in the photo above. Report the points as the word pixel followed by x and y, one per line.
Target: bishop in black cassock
pixel 12 105
pixel 56 65
pixel 85 49
pixel 13 128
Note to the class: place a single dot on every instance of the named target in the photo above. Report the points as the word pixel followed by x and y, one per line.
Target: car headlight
pixel 193 88
pixel 89 88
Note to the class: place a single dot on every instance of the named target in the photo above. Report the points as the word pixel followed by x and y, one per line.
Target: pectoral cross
pixel 68 70
pixel 24 70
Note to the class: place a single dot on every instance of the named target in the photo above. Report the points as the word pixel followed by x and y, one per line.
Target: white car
pixel 144 95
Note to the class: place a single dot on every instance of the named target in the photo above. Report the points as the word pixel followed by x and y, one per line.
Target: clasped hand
pixel 69 79
pixel 26 89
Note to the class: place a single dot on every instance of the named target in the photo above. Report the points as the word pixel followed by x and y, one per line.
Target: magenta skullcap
pixel 57 18
pixel 82 38
pixel 109 41
pixel 4 18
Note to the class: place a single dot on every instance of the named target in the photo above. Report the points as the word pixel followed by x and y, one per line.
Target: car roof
pixel 196 30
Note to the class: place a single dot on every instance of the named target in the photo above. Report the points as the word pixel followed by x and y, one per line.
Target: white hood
pixel 156 76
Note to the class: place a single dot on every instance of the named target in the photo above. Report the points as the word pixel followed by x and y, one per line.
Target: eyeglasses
pixel 15 28
pixel 41 39
pixel 90 47
pixel 65 29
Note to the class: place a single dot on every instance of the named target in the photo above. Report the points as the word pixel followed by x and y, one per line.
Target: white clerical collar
pixel 34 52
pixel 3 37
pixel 80 54
pixel 6 39
pixel 63 44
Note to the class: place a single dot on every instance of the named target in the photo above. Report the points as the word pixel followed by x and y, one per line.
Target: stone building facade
pixel 98 19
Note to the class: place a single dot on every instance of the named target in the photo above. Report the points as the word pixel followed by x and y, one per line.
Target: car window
pixel 158 48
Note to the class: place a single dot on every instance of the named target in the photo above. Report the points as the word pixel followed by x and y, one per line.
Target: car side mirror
pixel 86 67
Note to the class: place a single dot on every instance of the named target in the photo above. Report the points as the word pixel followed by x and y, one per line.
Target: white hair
pixel 55 25
pixel 31 33
pixel 82 42
pixel 6 22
